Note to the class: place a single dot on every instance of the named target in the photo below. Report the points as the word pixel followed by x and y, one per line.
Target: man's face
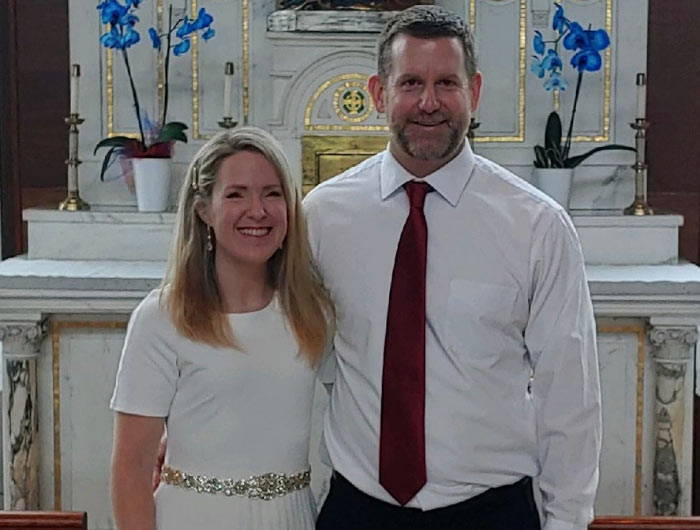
pixel 428 99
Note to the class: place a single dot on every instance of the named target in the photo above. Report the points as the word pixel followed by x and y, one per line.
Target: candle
pixel 228 82
pixel 74 78
pixel 641 96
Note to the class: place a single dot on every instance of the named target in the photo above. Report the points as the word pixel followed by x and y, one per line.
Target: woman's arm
pixel 136 440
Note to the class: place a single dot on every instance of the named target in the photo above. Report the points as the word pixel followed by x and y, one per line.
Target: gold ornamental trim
pixel 56 328
pixel 308 122
pixel 641 332
pixel 352 102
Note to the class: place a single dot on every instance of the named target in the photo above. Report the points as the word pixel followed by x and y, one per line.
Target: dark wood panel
pixel 43 91
pixel 10 205
pixel 673 105
pixel 34 78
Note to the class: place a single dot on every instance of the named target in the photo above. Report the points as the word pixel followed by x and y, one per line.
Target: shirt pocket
pixel 480 317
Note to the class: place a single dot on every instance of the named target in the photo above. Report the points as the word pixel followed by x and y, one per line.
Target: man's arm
pixel 561 339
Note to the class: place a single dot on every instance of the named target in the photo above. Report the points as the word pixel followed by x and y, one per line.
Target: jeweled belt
pixel 264 487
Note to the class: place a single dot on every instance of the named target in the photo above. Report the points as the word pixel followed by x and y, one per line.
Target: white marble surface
pixel 328 21
pixel 115 233
pixel 112 233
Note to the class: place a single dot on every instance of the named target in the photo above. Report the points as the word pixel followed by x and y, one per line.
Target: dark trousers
pixel 510 507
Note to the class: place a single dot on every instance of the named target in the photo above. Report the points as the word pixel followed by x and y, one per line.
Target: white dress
pixel 230 414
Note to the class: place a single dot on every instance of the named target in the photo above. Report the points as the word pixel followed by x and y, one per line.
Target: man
pixel 465 341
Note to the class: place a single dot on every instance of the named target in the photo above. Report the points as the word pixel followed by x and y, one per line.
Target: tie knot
pixel 416 192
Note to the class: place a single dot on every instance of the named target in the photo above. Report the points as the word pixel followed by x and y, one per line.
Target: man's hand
pixel 160 460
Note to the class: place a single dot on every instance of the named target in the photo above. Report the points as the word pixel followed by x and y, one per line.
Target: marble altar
pixel 64 305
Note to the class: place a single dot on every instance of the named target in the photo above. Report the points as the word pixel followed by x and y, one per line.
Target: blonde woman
pixel 225 353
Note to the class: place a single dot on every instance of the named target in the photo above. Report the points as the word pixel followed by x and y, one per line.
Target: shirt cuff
pixel 556 524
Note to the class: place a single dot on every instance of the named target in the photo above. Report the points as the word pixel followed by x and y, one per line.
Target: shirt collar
pixel 448 180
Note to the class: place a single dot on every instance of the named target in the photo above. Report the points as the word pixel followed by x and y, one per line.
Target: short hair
pixel 190 288
pixel 425 22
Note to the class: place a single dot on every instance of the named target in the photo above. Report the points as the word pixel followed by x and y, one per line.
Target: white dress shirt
pixel 512 384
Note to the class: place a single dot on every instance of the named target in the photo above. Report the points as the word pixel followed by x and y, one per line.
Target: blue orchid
pixel 589 60
pixel 155 38
pixel 203 20
pixel 559 22
pixel 182 47
pixel 536 67
pixel 547 64
pixel 576 38
pixel 112 39
pixel 129 19
pixel 130 38
pixel 185 28
pixel 556 81
pixel 120 17
pixel 552 61
pixel 598 39
pixel 538 42
pixel 208 34
pixel 111 11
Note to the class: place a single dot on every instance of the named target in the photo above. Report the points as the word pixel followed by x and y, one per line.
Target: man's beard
pixel 431 150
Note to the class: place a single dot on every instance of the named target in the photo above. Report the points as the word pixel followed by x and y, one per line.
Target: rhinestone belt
pixel 264 487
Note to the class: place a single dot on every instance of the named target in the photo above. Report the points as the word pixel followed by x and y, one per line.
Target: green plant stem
pixel 167 63
pixel 567 146
pixel 135 95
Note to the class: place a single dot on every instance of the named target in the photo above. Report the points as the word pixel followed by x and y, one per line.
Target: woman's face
pixel 247 211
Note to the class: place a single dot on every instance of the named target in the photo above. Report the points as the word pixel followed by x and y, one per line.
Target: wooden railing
pixel 645 523
pixel 43 520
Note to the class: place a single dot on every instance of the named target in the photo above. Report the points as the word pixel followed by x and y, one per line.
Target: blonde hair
pixel 192 296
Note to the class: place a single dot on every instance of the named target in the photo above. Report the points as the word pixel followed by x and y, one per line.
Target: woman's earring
pixel 210 245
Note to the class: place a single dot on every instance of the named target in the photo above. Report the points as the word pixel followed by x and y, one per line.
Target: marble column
pixel 673 353
pixel 21 343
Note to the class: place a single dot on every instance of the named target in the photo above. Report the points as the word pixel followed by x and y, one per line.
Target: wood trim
pixel 43 520
pixel 645 523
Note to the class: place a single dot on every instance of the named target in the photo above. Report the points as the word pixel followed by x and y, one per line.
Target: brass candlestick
pixel 73 202
pixel 640 205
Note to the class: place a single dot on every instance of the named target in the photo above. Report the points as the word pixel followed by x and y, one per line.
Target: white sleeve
pixel 148 371
pixel 561 339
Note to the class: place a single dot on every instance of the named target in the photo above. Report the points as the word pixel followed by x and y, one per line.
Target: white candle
pixel 641 96
pixel 74 78
pixel 228 83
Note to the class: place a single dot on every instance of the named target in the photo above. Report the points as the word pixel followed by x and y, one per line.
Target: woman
pixel 225 353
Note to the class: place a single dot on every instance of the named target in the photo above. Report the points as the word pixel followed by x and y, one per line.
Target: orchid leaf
pixel 108 160
pixel 552 132
pixel 576 160
pixel 114 141
pixel 540 157
pixel 172 131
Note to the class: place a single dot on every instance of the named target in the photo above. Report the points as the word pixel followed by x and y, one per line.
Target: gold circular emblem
pixel 352 102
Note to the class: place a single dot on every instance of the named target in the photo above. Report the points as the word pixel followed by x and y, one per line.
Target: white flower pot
pixel 152 183
pixel 555 182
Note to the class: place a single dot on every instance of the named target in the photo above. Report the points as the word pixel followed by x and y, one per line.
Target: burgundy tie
pixel 402 438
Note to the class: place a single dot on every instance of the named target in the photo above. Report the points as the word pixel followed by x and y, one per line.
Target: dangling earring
pixel 210 245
